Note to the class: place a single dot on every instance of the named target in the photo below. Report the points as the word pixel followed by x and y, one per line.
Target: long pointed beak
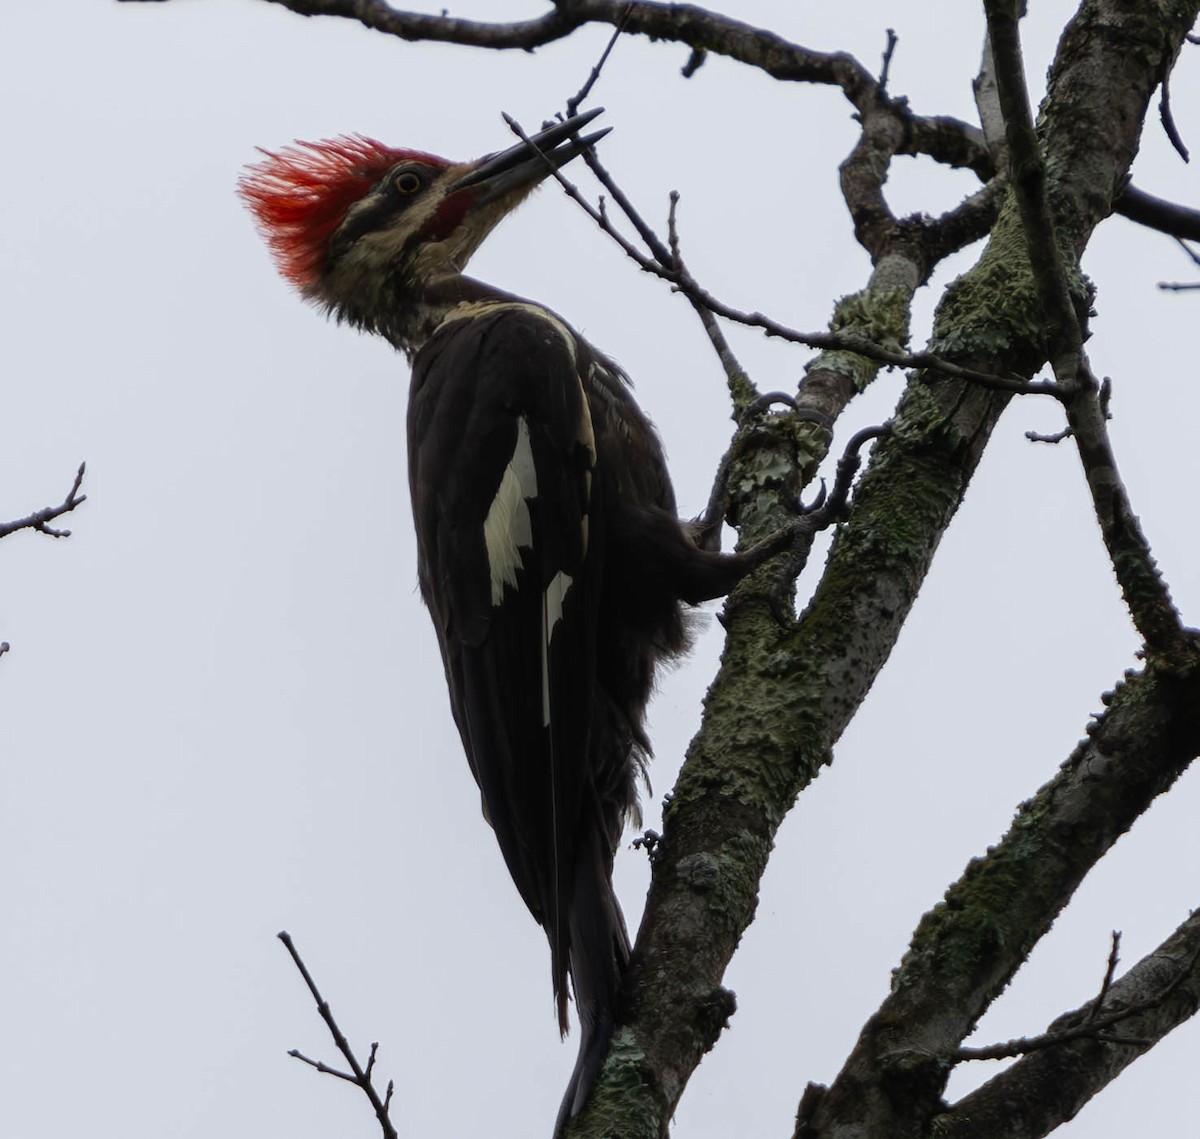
pixel 528 163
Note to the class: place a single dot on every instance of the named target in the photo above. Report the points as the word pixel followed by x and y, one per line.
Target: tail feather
pixel 599 956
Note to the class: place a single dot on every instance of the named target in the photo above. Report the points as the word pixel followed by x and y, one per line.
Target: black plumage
pixel 549 695
pixel 549 551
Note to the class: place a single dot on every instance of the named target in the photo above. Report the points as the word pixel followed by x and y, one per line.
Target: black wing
pixel 501 454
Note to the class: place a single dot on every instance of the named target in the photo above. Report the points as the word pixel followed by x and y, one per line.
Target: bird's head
pixel 360 227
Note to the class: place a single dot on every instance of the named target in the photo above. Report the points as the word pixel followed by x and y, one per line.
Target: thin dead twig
pixel 1168 119
pixel 358 1074
pixel 825 341
pixel 574 102
pixel 39 518
pixel 886 66
pixel 1095 1023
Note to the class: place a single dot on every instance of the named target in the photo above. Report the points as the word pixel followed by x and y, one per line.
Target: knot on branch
pixel 713 1010
pixel 701 872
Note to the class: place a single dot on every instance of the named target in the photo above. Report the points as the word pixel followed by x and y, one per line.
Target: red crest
pixel 300 194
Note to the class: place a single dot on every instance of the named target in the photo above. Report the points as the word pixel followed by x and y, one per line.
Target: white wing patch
pixel 507 529
pixel 556 591
pixel 552 611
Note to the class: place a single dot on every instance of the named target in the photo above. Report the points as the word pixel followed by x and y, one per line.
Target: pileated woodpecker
pixel 549 551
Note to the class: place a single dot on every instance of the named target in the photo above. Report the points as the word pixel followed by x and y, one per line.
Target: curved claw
pixel 812 507
pixel 768 401
pixel 833 506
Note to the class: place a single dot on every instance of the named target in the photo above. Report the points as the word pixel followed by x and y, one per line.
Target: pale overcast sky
pixel 223 713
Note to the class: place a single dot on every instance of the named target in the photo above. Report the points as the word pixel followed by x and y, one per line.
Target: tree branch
pixel 944 139
pixel 964 952
pixel 1145 592
pixel 1048 1087
pixel 1157 213
pixel 661 264
pixel 962 223
pixel 1093 1026
pixel 1143 587
pixel 1027 174
pixel 783 697
pixel 39 518
pixel 358 1075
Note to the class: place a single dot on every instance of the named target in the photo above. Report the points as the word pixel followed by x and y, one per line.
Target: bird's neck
pixel 408 324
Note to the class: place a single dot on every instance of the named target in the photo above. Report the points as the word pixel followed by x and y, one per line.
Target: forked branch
pixel 39 519
pixel 1050 1084
pixel 360 1075
pixel 685 283
pixel 1142 585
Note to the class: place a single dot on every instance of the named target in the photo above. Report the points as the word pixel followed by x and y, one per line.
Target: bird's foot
pixel 706 530
pixel 795 540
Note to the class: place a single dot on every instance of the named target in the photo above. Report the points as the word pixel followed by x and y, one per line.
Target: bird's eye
pixel 407 182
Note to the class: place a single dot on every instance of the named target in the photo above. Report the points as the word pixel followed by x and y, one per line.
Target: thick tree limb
pixel 892 1082
pixel 1093 1022
pixel 965 951
pixel 781 701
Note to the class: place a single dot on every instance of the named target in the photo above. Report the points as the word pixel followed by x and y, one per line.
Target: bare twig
pixel 1192 254
pixel 664 261
pixel 826 341
pixel 576 100
pixel 1095 1022
pixel 888 51
pixel 741 388
pixel 1168 119
pixel 39 518
pixel 1023 1045
pixel 1183 286
pixel 358 1075
pixel 1110 969
pixel 322 1067
pixel 1164 984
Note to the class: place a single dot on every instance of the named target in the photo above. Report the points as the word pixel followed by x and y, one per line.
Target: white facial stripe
pixel 552 611
pixel 507 529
